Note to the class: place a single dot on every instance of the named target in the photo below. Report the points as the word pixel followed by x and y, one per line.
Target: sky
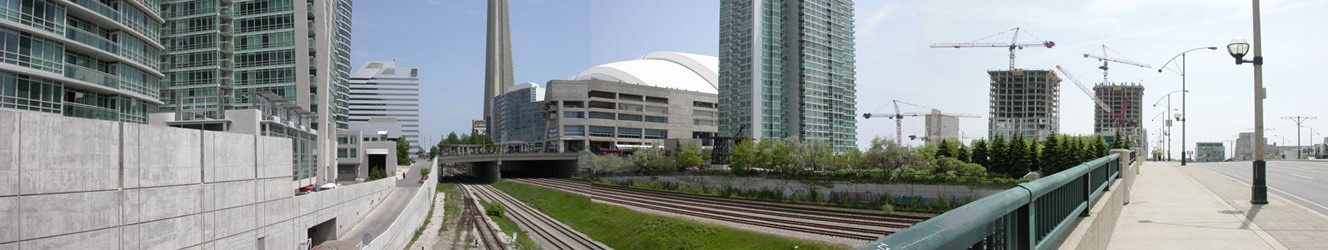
pixel 556 39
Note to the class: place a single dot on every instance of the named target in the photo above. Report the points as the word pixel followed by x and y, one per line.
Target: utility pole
pixel 1299 120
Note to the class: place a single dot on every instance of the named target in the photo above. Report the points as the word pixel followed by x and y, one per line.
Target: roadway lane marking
pixel 1247 181
pixel 1302 176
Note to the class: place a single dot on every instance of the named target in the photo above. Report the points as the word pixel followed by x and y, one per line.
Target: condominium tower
pixel 788 70
pixel 220 55
pixel 1024 103
pixel 1125 100
pixel 81 58
pixel 380 89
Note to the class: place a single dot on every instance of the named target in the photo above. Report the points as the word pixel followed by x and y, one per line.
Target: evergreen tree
pixel 1020 157
pixel 452 138
pixel 946 148
pixel 1100 145
pixel 1118 141
pixel 1053 155
pixel 999 155
pixel 962 153
pixel 980 153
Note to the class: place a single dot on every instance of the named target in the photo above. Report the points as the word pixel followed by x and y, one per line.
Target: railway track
pixel 473 217
pixel 556 234
pixel 805 219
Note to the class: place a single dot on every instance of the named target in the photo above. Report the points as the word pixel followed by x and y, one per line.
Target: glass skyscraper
pixel 787 70
pixel 81 58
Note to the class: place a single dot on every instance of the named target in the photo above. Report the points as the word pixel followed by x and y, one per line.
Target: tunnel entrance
pixel 539 169
pixel 322 232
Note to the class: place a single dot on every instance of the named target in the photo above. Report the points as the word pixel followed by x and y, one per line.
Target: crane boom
pixel 899 117
pixel 1088 92
pixel 1012 45
pixel 1104 59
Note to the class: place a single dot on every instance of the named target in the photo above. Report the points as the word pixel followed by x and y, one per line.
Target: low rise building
pixel 1209 151
pixel 633 104
pixel 368 146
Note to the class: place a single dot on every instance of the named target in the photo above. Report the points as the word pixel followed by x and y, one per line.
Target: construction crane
pixel 1118 116
pixel 1014 44
pixel 1104 59
pixel 899 118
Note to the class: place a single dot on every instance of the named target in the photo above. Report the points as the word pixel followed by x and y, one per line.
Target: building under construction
pixel 1024 103
pixel 941 127
pixel 1126 100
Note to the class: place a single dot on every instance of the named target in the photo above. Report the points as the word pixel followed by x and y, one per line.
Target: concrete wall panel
pixel 246 240
pixel 8 154
pixel 228 156
pixel 131 237
pixel 228 222
pixel 129 173
pixel 274 212
pixel 174 233
pixel 10 246
pixel 280 236
pixel 8 215
pixel 272 189
pixel 67 155
pixel 97 239
pixel 171 156
pixel 166 202
pixel 56 214
pixel 275 160
pixel 227 195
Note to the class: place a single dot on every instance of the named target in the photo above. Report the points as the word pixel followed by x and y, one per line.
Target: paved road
pixel 381 217
pixel 1305 182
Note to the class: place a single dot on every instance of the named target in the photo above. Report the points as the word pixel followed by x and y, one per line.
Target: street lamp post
pixel 1182 94
pixel 1168 121
pixel 1237 49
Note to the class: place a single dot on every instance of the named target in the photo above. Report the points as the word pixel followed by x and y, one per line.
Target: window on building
pixel 574 130
pixel 703 113
pixel 656 134
pixel 629 97
pixel 598 131
pixel 654 109
pixel 629 117
pixel 657 119
pixel 631 107
pixel 660 100
pixel 629 132
pixel 602 105
pixel 602 94
pixel 574 104
pixel 574 114
pixel 601 115
pixel 700 122
pixel 700 104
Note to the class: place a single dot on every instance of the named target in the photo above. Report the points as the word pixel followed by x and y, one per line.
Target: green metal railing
pixel 1030 216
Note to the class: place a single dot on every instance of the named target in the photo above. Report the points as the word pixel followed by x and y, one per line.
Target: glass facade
pixel 788 70
pixel 520 116
pixel 105 69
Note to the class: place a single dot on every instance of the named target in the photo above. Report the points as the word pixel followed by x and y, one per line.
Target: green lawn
pixel 622 228
pixel 451 204
pixel 508 226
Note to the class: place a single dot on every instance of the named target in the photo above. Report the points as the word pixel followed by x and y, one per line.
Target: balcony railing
pixel 93 40
pixel 85 111
pixel 91 75
pixel 226 65
pixel 100 8
pixel 225 13
pixel 227 83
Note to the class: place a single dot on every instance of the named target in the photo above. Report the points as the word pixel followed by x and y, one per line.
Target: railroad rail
pixel 558 235
pixel 811 220
pixel 475 219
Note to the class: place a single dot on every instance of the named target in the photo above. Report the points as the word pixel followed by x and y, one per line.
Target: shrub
pixel 424 171
pixel 494 209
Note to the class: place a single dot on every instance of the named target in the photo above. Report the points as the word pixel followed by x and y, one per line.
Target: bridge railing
pixel 460 150
pixel 1030 216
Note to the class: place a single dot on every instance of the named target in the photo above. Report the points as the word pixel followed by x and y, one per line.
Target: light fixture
pixel 1238 48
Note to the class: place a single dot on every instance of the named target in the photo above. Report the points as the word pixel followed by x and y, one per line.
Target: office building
pixel 1126 100
pixel 633 104
pixel 81 58
pixel 367 146
pixel 1209 152
pixel 379 89
pixel 941 127
pixel 520 115
pixel 497 60
pixel 1024 103
pixel 788 70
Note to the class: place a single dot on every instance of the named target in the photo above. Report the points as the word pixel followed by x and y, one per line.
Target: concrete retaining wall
pixel 71 183
pixel 790 187
pixel 398 235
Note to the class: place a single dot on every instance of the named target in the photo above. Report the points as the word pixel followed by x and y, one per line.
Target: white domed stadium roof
pixel 673 70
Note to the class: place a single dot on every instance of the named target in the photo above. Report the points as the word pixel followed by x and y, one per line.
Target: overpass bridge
pixel 491 162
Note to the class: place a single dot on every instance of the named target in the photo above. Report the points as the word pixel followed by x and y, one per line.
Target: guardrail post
pixel 1088 192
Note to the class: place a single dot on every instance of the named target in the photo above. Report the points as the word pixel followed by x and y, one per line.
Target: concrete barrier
pixel 398 235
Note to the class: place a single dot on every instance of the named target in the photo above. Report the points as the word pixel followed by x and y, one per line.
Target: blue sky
pixel 555 39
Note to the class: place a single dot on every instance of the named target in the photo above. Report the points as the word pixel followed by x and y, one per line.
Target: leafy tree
pixel 745 156
pixel 403 151
pixel 980 153
pixel 688 155
pixel 852 158
pixel 650 159
pixel 822 155
pixel 452 138
pixel 948 165
pixel 781 155
pixel 600 164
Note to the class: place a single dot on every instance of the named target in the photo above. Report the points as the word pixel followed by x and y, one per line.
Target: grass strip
pixel 622 228
pixel 508 227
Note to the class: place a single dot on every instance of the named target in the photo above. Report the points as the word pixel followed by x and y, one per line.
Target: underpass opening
pixel 322 232
pixel 539 169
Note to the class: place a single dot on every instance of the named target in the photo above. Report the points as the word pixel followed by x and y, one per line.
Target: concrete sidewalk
pixel 1174 207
